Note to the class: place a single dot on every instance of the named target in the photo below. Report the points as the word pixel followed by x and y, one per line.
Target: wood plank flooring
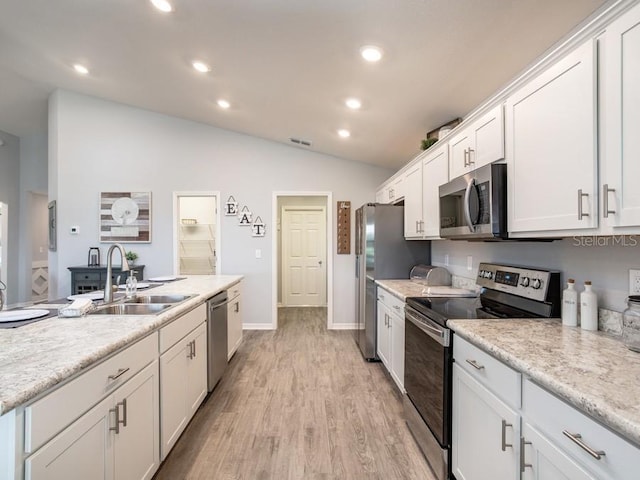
pixel 299 403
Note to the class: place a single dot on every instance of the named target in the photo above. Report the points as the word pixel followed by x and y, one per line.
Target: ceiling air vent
pixel 298 141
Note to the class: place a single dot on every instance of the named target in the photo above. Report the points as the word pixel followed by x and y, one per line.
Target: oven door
pixel 427 372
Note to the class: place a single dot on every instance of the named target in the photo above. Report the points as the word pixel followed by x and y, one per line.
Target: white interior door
pixel 304 255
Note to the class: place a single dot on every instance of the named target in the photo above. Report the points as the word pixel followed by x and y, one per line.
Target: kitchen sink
pixel 155 299
pixel 132 309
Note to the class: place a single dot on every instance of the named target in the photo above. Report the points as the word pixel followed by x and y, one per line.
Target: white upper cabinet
pixel 551 132
pixel 620 166
pixel 480 143
pixel 412 186
pixel 391 191
pixel 435 172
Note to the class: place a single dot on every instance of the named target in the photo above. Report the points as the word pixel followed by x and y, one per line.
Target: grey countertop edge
pixel 94 357
pixel 593 407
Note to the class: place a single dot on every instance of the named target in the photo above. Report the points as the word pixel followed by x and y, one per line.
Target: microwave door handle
pixel 467 209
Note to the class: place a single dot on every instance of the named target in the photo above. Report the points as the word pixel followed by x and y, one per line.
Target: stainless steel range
pixel 507 292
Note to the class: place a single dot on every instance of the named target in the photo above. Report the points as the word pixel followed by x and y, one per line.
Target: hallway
pixel 299 403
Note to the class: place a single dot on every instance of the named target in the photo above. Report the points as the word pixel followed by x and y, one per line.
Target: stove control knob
pixel 524 282
pixel 536 283
pixel 489 275
pixel 481 273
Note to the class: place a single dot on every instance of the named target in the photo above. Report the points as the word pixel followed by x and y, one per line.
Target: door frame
pixel 174 221
pixel 292 208
pixel 4 228
pixel 275 257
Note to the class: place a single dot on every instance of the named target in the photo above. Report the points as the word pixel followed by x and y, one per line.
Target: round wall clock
pixel 124 211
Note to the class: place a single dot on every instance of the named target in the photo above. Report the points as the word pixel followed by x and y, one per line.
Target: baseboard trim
pixel 257 326
pixel 344 326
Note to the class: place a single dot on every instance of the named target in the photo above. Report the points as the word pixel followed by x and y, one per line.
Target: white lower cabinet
pixel 234 320
pixel 542 460
pixel 183 385
pixel 390 339
pixel 541 437
pixel 118 438
pixel 484 432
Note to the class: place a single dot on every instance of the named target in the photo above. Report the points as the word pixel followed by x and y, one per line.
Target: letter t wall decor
pixel 245 217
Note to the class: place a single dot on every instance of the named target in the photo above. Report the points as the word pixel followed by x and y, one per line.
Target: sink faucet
pixel 108 285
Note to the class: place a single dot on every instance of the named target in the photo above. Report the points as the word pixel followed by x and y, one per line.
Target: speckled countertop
pixel 36 357
pixel 402 288
pixel 593 371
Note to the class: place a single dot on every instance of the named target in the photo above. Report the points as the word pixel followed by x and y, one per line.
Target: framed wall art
pixel 125 217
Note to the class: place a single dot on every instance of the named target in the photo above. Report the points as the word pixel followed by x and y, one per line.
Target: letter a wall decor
pixel 245 217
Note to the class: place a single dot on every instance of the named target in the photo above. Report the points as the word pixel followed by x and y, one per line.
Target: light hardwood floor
pixel 299 403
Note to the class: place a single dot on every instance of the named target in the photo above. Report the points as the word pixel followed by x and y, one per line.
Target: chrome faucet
pixel 108 285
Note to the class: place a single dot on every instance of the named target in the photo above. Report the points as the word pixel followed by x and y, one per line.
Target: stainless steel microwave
pixel 474 206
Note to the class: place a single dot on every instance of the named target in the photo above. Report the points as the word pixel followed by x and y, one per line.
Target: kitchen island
pixel 37 357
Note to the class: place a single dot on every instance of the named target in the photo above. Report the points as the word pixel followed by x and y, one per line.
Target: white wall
pixel 605 265
pixel 10 194
pixel 33 179
pixel 96 145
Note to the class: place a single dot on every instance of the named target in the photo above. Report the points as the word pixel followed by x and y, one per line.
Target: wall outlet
pixel 634 282
pixel 74 230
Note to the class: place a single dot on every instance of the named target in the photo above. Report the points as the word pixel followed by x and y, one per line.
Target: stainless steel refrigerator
pixel 381 253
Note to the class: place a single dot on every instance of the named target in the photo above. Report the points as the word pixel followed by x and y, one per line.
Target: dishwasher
pixel 216 338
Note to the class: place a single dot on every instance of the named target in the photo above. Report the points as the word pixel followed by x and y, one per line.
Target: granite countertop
pixel 402 288
pixel 36 357
pixel 593 371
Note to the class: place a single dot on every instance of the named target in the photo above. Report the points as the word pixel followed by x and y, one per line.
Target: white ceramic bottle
pixel 588 308
pixel 570 304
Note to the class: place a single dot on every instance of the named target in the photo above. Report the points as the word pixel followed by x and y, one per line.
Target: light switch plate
pixel 258 253
pixel 634 282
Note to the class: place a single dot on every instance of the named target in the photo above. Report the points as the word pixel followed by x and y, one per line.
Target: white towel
pixel 78 308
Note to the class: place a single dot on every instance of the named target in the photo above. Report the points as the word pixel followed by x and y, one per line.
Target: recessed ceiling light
pixel 201 66
pixel 353 103
pixel 162 5
pixel 81 69
pixel 344 133
pixel 223 104
pixel 371 53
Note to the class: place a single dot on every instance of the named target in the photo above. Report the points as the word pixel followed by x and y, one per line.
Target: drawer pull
pixel 475 364
pixel 237 307
pixel 504 435
pixel 121 371
pixel 576 438
pixel 396 307
pixel 124 411
pixel 523 464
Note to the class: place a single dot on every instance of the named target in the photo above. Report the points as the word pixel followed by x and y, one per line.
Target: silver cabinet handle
pixel 576 438
pixel 386 320
pixel 237 307
pixel 124 411
pixel 504 443
pixel 117 426
pixel 466 155
pixel 523 463
pixel 471 162
pixel 605 200
pixel 195 352
pixel 119 373
pixel 190 350
pixel 580 212
pixel 475 364
pixel 396 307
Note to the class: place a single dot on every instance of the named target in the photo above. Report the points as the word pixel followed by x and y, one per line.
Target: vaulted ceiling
pixel 285 66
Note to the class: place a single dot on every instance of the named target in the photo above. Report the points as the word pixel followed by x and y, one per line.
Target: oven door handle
pixel 438 333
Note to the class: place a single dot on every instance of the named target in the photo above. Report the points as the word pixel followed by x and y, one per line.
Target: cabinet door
pixel 459 148
pixel 397 349
pixel 136 445
pixel 413 224
pixel 197 370
pixel 83 450
pixel 542 460
pixel 551 147
pixel 396 190
pixel 622 120
pixel 485 432
pixel 488 138
pixel 383 340
pixel 173 391
pixel 435 172
pixel 234 326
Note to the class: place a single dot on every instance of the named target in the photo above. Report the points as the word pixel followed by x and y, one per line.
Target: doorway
pixel 39 229
pixel 302 252
pixel 196 233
